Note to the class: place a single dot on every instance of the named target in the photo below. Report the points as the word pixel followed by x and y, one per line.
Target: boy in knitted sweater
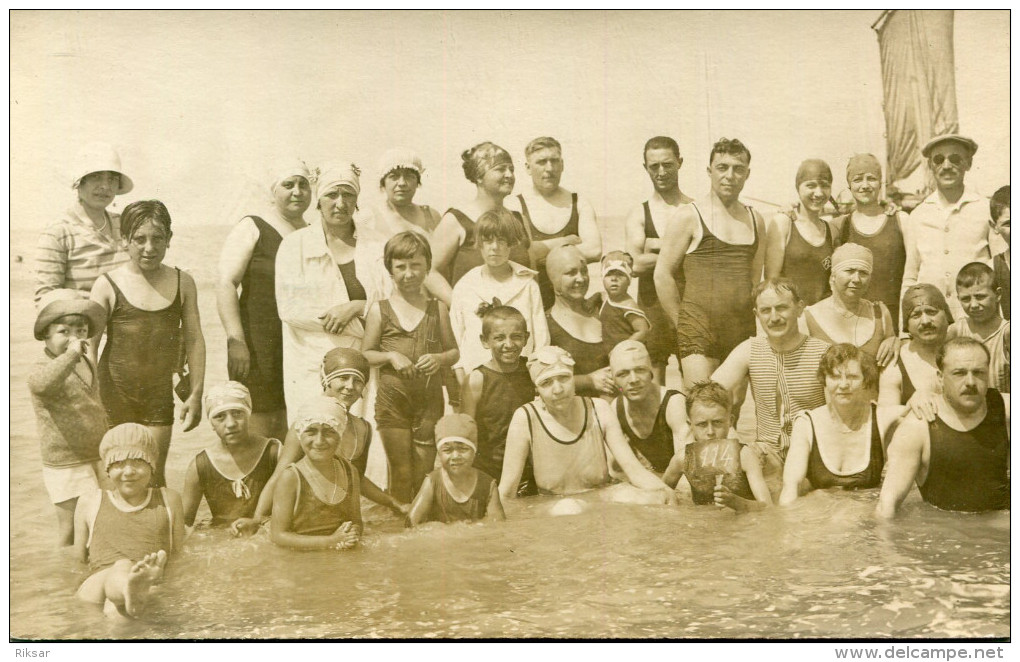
pixel 70 418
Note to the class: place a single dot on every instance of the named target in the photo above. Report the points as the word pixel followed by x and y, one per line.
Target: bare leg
pixel 161 433
pixel 397 443
pixel 424 461
pixel 125 584
pixel 659 373
pixel 697 368
pixel 65 522
pixel 272 424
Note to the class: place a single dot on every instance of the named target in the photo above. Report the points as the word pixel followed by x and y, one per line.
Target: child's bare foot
pixel 140 579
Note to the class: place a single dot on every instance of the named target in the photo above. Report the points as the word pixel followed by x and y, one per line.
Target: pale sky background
pixel 201 104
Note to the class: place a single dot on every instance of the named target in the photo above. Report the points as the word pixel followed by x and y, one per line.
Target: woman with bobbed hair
pixel 842 443
pixel 454 250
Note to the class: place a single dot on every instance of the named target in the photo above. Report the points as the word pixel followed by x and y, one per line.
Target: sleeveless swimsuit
pixel 230 499
pixel 116 535
pixel 661 341
pixel 906 385
pixel 890 257
pixel 968 471
pixel 870 347
pixel 808 265
pixel 409 404
pixel 137 366
pixel 871 476
pixel 704 460
pixel 565 466
pixel 502 394
pixel 588 356
pixel 468 256
pixel 657 447
pixel 716 310
pixel 573 223
pixel 315 517
pixel 260 321
pixel 446 509
pixel 615 320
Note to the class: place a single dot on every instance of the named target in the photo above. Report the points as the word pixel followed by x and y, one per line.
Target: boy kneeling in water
pixel 125 534
pixel 456 491
pixel 718 467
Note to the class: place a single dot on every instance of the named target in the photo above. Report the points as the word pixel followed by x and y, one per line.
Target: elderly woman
pixel 325 280
pixel 842 443
pixel 574 324
pixel 800 248
pixel 846 316
pixel 251 321
pixel 454 250
pixel 86 243
pixel 401 172
pixel 878 227
pixel 566 436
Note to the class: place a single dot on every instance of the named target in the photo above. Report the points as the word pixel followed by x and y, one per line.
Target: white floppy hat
pixel 100 157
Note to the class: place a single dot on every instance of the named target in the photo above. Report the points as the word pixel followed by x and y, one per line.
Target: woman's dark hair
pixel 142 211
pixel 495 311
pixel 497 224
pixel 842 353
pixel 405 246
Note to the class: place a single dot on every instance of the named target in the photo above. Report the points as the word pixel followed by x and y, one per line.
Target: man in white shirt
pixel 950 227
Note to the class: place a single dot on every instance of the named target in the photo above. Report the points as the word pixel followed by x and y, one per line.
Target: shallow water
pixel 820 569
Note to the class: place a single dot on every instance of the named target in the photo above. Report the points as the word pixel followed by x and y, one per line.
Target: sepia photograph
pixel 511 325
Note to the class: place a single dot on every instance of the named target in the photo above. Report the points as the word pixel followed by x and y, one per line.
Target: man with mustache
pixel 960 460
pixel 554 215
pixel 914 378
pixel 782 367
pixel 950 227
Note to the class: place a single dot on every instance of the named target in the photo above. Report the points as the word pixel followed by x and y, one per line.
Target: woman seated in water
pixel 316 502
pixel 842 443
pixel 566 436
pixel 231 474
pixel 456 491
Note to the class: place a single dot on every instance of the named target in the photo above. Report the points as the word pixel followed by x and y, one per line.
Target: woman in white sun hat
pixel 84 244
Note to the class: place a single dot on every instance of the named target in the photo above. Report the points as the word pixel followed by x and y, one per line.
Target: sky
pixel 202 104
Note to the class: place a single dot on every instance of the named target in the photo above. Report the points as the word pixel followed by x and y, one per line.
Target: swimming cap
pixel 617 265
pixel 628 348
pixel 341 361
pixel 457 427
pixel 924 294
pixel 228 395
pixel 863 163
pixel 128 441
pixel 482 158
pixel 852 255
pixel 333 175
pixel 550 361
pixel 400 159
pixel 813 169
pixel 286 170
pixel 321 409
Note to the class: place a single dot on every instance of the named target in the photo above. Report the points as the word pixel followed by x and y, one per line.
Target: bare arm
pixel 795 469
pixel 194 343
pixel 86 505
pixel 890 347
pixel 234 259
pixel 637 475
pixel 639 326
pixel 422 504
pixel 676 419
pixel 734 370
pixel 588 229
pixel 518 446
pixel 494 511
pixel 751 464
pixel 192 494
pixel 905 459
pixel 637 244
pixel 675 242
pixel 759 256
pixel 890 386
pixel 177 535
pixel 473 392
pixel 445 242
pixel 777 234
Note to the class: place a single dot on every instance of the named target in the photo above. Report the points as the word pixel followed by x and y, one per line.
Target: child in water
pixel 316 501
pixel 343 375
pixel 69 415
pixel 456 491
pixel 409 337
pixel 620 315
pixel 149 305
pixel 718 467
pixel 497 388
pixel 126 534
pixel 231 474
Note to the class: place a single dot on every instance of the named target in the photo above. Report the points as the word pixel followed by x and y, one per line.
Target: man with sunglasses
pixel 950 227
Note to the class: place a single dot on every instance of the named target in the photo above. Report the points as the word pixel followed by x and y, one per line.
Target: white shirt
pixel 308 282
pixel 475 287
pixel 941 237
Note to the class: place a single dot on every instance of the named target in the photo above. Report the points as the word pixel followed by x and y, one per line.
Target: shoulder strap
pixel 814 435
pixel 297 494
pixel 650 232
pixel 595 414
pixel 524 207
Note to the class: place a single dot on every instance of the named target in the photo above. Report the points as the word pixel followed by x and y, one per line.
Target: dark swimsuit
pixel 890 257
pixel 571 228
pixel 871 476
pixel 502 393
pixel 808 265
pixel 661 341
pixel 260 321
pixel 657 447
pixel 969 471
pixel 873 343
pixel 314 517
pixel 588 356
pixel 468 256
pixel 137 366
pixel 446 509
pixel 228 499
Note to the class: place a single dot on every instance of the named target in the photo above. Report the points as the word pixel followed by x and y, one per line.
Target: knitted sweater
pixel 69 415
